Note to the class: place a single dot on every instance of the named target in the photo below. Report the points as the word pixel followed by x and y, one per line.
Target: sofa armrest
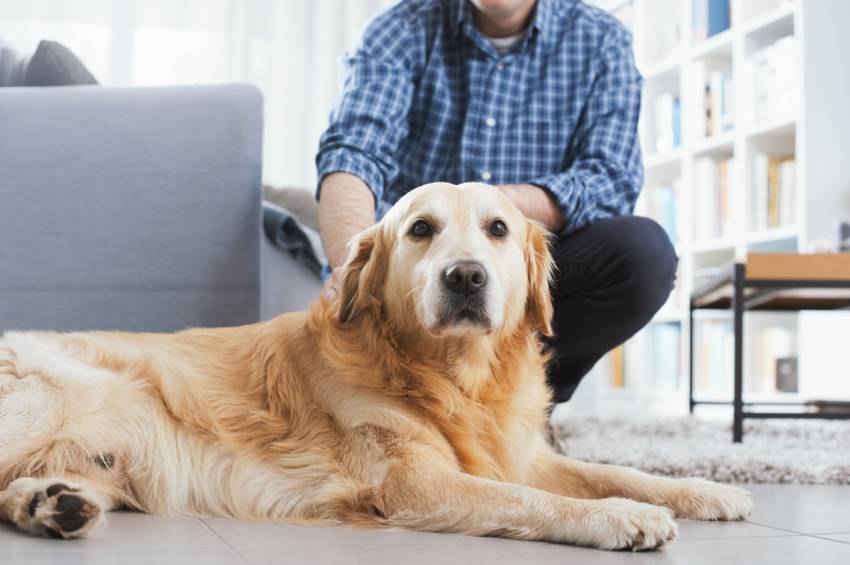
pixel 288 286
pixel 130 208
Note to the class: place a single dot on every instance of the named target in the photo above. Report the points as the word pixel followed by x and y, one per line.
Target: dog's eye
pixel 421 228
pixel 498 229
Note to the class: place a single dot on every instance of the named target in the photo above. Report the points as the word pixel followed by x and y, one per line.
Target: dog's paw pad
pixel 62 511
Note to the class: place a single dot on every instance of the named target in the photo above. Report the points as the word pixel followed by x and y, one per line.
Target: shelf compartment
pixel 663 69
pixel 664 165
pixel 772 25
pixel 718 46
pixel 721 144
pixel 783 127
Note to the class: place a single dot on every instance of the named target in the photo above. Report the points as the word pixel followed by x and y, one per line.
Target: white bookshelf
pixel 816 133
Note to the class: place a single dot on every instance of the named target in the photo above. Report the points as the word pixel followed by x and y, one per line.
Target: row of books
pixel 714 358
pixel 653 357
pixel 773 72
pixel 776 362
pixel 774 367
pixel 667 122
pixel 715 87
pixel 774 187
pixel 712 193
pixel 771 204
pixel 709 17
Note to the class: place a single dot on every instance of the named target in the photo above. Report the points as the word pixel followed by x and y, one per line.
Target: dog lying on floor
pixel 414 399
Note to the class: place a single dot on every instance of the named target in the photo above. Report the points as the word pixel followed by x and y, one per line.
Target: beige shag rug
pixel 812 452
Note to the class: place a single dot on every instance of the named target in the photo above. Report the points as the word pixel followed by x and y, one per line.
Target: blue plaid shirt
pixel 428 98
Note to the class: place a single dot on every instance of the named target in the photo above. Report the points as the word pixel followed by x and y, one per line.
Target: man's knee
pixel 642 257
pixel 650 256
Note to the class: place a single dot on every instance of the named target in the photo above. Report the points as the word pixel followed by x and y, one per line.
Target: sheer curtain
pixel 290 49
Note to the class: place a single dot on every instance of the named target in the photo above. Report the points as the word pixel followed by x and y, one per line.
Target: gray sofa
pixel 137 209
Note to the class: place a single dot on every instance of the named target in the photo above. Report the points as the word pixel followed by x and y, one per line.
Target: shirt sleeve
pixel 369 119
pixel 604 172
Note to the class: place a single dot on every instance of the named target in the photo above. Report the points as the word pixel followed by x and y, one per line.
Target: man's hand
pixel 331 286
pixel 536 203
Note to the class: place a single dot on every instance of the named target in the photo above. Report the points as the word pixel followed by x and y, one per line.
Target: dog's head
pixel 454 260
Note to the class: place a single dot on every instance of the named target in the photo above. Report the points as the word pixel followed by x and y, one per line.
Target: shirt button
pixel 486 175
pixel 491 121
pixel 500 67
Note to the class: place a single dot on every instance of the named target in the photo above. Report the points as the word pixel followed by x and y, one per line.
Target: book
pixel 787 193
pixel 677 122
pixel 774 189
pixel 718 17
pixel 709 18
pixel 715 89
pixel 713 197
pixel 704 200
pixel 773 343
pixel 667 122
pixel 699 20
pixel 663 208
pixel 618 376
pixel 715 358
pixel 720 114
pixel 665 355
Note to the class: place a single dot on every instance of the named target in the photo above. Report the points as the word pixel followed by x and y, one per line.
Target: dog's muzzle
pixel 464 283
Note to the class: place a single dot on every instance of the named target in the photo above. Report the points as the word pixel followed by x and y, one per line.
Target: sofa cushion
pixel 13 66
pixel 53 64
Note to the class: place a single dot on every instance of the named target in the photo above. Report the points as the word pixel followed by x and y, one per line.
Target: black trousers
pixel 611 279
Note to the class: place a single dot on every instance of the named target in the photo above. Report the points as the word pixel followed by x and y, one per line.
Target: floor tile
pixel 789 550
pixel 811 509
pixel 247 536
pixel 126 531
pixel 89 557
pixel 130 538
pixel 692 529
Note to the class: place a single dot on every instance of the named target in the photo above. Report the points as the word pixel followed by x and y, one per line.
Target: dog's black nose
pixel 465 277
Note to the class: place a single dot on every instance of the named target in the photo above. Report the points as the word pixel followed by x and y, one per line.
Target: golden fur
pixel 357 410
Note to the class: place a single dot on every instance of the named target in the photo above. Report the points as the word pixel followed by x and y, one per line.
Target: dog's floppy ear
pixel 360 274
pixel 538 262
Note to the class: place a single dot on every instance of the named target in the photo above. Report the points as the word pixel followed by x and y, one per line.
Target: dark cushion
pixel 13 66
pixel 53 64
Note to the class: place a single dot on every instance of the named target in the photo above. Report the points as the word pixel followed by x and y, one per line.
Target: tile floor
pixel 790 524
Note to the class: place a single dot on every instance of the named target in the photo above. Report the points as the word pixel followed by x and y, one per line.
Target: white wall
pixel 290 48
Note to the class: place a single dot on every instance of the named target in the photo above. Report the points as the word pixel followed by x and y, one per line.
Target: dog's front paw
pixel 699 499
pixel 619 523
pixel 53 508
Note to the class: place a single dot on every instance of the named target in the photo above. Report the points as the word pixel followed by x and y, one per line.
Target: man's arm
pixel 346 208
pixel 356 158
pixel 603 173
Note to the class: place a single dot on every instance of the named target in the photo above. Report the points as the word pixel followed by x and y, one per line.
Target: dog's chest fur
pixel 488 411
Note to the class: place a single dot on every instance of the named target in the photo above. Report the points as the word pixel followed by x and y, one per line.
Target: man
pixel 539 98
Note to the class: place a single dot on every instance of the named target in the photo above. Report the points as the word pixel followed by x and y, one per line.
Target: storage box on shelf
pixel 742 126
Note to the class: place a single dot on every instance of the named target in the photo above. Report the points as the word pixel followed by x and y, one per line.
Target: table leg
pixel 691 339
pixel 738 313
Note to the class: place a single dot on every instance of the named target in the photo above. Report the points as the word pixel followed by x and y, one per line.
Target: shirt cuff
pixel 569 197
pixel 352 161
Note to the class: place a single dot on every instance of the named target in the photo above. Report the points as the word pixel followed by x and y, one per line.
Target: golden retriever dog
pixel 414 399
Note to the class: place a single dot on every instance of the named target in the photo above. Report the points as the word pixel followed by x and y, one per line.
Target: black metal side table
pixel 770 282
